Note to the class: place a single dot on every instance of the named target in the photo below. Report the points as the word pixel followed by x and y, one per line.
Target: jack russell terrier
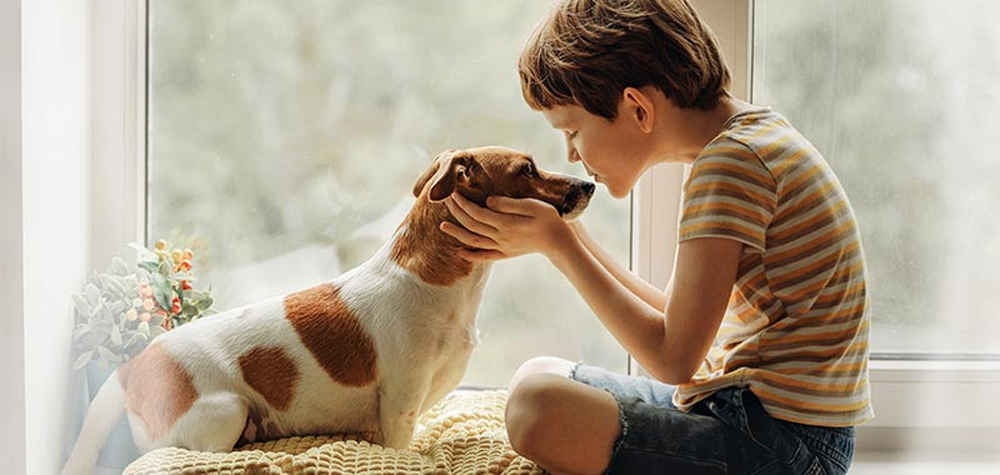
pixel 366 353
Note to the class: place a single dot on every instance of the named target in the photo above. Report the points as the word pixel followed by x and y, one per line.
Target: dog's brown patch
pixel 333 334
pixel 158 390
pixel 423 249
pixel 272 373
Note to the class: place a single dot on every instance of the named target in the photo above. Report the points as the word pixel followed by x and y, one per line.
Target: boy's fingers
pixel 467 237
pixel 520 206
pixel 480 256
pixel 477 212
pixel 469 222
pixel 505 204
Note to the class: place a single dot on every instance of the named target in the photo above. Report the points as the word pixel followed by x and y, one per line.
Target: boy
pixel 759 344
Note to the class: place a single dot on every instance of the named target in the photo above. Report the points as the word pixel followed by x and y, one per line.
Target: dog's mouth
pixel 576 201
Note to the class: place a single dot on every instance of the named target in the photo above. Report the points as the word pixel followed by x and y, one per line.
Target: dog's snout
pixel 577 199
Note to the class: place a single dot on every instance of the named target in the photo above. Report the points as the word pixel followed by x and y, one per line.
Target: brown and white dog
pixel 365 353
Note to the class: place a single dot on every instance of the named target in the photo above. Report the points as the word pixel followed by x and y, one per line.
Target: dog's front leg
pixel 400 400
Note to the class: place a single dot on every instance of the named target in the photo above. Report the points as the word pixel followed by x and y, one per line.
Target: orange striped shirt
pixel 796 330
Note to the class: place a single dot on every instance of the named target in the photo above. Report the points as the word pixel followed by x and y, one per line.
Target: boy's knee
pixel 528 415
pixel 541 365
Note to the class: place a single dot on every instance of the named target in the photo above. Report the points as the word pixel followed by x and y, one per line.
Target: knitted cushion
pixel 464 433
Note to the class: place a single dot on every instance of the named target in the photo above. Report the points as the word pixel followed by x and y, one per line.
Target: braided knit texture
pixel 463 434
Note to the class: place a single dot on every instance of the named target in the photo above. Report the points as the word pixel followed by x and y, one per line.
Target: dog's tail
pixel 102 415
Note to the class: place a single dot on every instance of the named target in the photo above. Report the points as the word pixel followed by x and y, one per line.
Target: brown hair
pixel 586 52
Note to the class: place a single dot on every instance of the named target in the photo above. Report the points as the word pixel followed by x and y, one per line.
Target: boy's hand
pixel 507 227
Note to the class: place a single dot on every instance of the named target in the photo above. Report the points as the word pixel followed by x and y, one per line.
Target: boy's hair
pixel 586 52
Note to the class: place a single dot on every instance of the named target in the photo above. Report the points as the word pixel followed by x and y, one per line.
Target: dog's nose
pixel 589 188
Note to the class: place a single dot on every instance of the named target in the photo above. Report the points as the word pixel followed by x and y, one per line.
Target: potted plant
pixel 120 311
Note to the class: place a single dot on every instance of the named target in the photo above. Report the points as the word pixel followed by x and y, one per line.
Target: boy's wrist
pixel 568 244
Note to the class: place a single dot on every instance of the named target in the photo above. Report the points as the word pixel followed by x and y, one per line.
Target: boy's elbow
pixel 674 372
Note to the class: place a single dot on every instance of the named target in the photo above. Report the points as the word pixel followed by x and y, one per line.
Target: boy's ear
pixel 640 107
pixel 449 168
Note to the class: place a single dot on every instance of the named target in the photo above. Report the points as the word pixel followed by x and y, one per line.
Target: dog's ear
pixel 422 181
pixel 431 170
pixel 449 168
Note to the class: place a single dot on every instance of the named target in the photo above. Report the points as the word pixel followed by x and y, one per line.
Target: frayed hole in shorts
pixel 572 372
pixel 623 422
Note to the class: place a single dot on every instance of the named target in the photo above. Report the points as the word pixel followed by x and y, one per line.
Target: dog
pixel 365 353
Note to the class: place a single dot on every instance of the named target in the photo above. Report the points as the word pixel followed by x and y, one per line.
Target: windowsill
pixel 923 463
pixel 935 370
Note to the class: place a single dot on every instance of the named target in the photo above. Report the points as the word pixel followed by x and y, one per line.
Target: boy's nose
pixel 572 155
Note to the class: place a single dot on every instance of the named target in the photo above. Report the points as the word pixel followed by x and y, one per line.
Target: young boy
pixel 759 344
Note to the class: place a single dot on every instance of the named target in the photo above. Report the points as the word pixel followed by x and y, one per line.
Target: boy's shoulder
pixel 757 129
pixel 743 143
pixel 769 138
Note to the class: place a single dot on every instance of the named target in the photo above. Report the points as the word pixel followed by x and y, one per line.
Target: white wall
pixel 56 206
pixel 12 451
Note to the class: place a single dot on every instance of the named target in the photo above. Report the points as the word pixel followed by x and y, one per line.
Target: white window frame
pixel 13 406
pixel 119 142
pixel 919 405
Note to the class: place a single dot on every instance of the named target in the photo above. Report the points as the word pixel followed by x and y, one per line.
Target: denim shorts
pixel 727 433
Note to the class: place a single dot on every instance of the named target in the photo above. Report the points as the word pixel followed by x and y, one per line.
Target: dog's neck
pixel 423 249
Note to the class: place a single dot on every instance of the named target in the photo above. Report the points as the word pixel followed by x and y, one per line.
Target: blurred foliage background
pixel 285 139
pixel 900 96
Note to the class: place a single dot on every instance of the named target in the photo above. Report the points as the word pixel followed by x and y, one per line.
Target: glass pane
pixel 901 98
pixel 285 139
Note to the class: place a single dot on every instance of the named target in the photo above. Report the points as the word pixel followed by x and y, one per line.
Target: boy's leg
pixel 623 386
pixel 541 365
pixel 581 419
pixel 562 425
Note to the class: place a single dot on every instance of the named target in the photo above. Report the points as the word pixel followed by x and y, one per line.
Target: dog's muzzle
pixel 577 200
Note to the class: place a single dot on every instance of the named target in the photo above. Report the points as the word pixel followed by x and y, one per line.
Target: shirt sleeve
pixel 730 194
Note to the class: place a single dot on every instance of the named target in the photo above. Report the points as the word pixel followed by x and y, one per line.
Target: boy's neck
pixel 687 131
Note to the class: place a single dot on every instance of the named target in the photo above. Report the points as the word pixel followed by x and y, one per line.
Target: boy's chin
pixel 617 193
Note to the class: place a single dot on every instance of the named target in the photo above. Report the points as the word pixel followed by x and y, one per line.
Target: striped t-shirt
pixel 796 329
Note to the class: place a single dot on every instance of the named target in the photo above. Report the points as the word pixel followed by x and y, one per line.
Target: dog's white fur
pixel 423 334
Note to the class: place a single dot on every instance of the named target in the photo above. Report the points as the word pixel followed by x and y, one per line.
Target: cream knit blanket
pixel 463 434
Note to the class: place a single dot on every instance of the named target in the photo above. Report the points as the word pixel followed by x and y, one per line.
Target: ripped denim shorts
pixel 727 433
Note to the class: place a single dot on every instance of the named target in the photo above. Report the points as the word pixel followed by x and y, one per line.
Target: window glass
pixel 900 97
pixel 285 138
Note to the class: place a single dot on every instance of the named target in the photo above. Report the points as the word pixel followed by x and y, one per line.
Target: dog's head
pixel 477 173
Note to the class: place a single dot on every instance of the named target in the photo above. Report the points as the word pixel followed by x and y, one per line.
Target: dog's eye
pixel 528 170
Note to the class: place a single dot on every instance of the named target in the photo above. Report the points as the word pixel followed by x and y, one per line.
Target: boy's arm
pixel 647 292
pixel 670 346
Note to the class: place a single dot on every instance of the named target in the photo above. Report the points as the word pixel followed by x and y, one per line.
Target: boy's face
pixel 613 152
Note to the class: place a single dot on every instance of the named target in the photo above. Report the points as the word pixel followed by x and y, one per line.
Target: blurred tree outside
pixel 900 98
pixel 285 138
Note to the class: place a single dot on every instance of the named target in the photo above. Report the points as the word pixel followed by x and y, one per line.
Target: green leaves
pixel 119 312
pixel 116 335
pixel 92 294
pixel 81 304
pixel 161 290
pixel 143 255
pixel 82 360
